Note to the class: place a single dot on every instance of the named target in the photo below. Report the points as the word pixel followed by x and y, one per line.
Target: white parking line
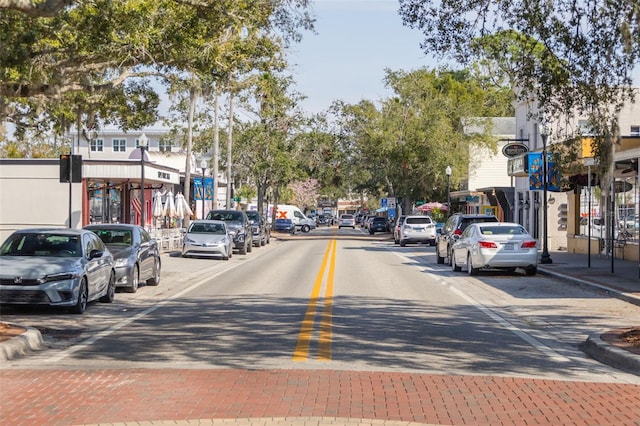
pixel 544 349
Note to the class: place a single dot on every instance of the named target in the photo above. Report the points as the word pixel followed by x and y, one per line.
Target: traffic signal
pixel 70 168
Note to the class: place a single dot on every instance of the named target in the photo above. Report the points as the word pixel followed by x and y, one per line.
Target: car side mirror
pixel 94 254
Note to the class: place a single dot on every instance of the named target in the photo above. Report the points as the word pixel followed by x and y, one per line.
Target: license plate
pixel 508 246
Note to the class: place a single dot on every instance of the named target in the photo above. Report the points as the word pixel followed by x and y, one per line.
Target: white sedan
pixel 208 238
pixel 495 245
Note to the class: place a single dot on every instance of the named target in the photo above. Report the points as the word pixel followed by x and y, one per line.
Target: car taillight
pixel 529 244
pixel 487 244
pixel 457 232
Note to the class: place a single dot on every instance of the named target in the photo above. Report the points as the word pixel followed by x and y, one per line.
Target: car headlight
pixel 62 276
pixel 188 240
pixel 121 262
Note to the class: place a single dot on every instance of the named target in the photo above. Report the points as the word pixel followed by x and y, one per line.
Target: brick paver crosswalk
pixel 107 396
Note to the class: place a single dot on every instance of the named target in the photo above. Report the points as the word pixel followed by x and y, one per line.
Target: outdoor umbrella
pixel 158 209
pixel 169 207
pixel 427 207
pixel 182 208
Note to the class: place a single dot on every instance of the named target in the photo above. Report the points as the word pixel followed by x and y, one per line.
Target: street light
pixel 142 144
pixel 448 172
pixel 203 166
pixel 545 258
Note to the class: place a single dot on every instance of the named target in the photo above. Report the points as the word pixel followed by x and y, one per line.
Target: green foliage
pixel 566 56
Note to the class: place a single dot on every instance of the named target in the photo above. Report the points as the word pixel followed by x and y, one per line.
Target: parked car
pixel 207 238
pixel 499 245
pixel 396 229
pixel 417 229
pixel 238 226
pixel 284 225
pixel 347 221
pixel 378 224
pixel 322 219
pixel 260 228
pixel 453 228
pixel 56 267
pixel 136 254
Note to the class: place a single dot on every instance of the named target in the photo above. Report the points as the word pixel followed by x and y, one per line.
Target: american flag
pixel 137 207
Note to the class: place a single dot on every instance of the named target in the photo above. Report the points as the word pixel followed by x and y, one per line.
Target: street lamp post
pixel 448 172
pixel 203 166
pixel 545 258
pixel 142 143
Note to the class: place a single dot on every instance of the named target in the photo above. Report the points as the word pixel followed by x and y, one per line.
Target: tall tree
pixel 565 55
pixel 94 46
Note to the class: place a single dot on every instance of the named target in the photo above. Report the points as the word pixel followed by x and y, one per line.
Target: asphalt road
pixel 340 299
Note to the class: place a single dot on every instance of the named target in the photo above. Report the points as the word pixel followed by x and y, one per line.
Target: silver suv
pixel 452 230
pixel 417 229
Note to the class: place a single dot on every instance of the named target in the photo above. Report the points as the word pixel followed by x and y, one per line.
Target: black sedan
pixel 378 224
pixel 136 254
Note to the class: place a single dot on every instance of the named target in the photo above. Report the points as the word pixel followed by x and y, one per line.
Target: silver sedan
pixel 56 267
pixel 208 238
pixel 499 245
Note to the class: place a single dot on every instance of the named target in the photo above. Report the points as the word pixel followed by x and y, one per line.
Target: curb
pixel 611 355
pixel 30 340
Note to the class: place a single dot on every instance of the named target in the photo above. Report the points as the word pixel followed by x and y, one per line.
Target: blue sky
pixel 355 41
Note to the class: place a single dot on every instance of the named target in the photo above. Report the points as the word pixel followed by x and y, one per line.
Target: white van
pixel 288 211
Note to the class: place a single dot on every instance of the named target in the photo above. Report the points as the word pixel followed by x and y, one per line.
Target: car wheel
pixel 531 271
pixel 83 296
pixel 454 266
pixel 110 295
pixel 403 243
pixel 135 280
pixel 470 269
pixel 155 280
pixel 305 228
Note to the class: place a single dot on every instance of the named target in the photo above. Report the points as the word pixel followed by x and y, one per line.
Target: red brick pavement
pixel 64 397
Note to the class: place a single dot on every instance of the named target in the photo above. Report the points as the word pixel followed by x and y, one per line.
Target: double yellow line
pixel 301 352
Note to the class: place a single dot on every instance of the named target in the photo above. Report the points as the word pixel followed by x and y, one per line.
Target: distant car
pixel 396 229
pixel 136 254
pixel 347 221
pixel 322 219
pixel 56 267
pixel 238 226
pixel 453 228
pixel 260 228
pixel 378 224
pixel 207 238
pixel 499 245
pixel 417 229
pixel 284 225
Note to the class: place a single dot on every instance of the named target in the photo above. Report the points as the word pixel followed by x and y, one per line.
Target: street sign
pixel 391 202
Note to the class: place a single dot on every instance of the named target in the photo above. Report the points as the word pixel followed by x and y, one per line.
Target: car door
pixel 146 252
pixel 98 269
pixel 464 245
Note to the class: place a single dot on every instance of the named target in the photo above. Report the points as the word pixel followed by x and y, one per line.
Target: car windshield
pixel 42 244
pixel 346 216
pixel 206 228
pixel 418 220
pixel 379 219
pixel 253 216
pixel 502 230
pixel 227 216
pixel 117 237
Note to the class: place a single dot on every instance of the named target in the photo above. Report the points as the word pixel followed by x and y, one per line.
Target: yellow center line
pixel 324 344
pixel 301 352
